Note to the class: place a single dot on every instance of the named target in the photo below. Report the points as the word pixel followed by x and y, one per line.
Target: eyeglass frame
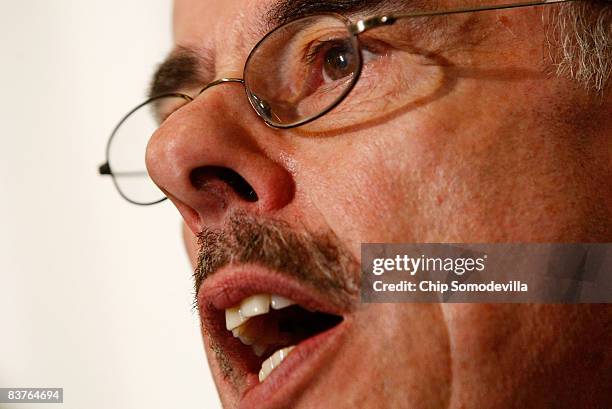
pixel 354 29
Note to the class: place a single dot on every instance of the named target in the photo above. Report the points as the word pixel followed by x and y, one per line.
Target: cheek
pixel 391 184
pixel 448 172
pixel 387 353
pixel 535 347
pixel 366 184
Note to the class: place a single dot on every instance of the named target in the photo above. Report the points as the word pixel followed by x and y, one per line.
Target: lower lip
pixel 293 374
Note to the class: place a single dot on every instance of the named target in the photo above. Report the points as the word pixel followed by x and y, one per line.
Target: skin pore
pixel 499 150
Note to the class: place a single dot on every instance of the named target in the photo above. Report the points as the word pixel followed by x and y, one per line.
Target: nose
pixel 215 155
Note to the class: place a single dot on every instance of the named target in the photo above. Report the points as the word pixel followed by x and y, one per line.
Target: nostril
pixel 201 176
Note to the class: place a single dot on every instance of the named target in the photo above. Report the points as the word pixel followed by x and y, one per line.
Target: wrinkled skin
pixel 507 153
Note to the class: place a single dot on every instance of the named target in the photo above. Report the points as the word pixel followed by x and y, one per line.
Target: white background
pixel 95 293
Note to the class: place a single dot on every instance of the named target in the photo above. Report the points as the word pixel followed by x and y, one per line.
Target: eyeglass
pixel 296 74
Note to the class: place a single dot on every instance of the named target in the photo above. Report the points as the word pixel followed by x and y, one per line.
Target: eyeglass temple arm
pixel 377 21
pixel 105 169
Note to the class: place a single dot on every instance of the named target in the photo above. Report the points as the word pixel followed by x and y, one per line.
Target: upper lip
pixel 231 284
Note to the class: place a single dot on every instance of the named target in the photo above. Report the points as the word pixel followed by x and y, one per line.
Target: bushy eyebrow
pixel 287 10
pixel 185 68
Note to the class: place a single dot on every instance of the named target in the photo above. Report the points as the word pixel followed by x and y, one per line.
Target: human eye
pixel 302 69
pixel 305 69
pixel 392 77
pixel 330 61
pixel 330 66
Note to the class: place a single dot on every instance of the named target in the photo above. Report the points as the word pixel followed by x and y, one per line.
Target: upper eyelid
pixel 313 51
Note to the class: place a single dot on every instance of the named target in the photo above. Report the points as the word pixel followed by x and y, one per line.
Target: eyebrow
pixel 185 68
pixel 285 11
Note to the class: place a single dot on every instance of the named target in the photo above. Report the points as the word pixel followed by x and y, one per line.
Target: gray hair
pixel 580 35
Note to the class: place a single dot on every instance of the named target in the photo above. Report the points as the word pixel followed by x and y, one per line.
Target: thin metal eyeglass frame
pixel 354 30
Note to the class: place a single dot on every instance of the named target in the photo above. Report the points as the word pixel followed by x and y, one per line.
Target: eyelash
pixel 377 49
pixel 314 51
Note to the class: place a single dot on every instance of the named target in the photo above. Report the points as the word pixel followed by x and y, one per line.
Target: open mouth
pixel 270 334
pixel 269 327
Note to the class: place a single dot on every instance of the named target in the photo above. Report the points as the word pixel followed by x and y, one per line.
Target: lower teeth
pixel 273 362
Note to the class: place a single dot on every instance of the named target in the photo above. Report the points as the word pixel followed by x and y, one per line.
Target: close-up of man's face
pixel 485 126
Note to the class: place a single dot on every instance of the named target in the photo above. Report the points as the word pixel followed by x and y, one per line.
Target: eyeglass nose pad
pixel 262 106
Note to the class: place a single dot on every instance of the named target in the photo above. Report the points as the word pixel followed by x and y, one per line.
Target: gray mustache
pixel 319 260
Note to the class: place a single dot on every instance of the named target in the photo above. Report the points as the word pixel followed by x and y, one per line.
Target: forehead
pixel 207 19
pixel 251 19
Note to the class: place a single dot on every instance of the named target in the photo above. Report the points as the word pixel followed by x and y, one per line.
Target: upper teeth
pixel 255 305
pixel 233 318
pixel 252 306
pixel 279 302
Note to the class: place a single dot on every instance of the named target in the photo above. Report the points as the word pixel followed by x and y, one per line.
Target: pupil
pixel 338 63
